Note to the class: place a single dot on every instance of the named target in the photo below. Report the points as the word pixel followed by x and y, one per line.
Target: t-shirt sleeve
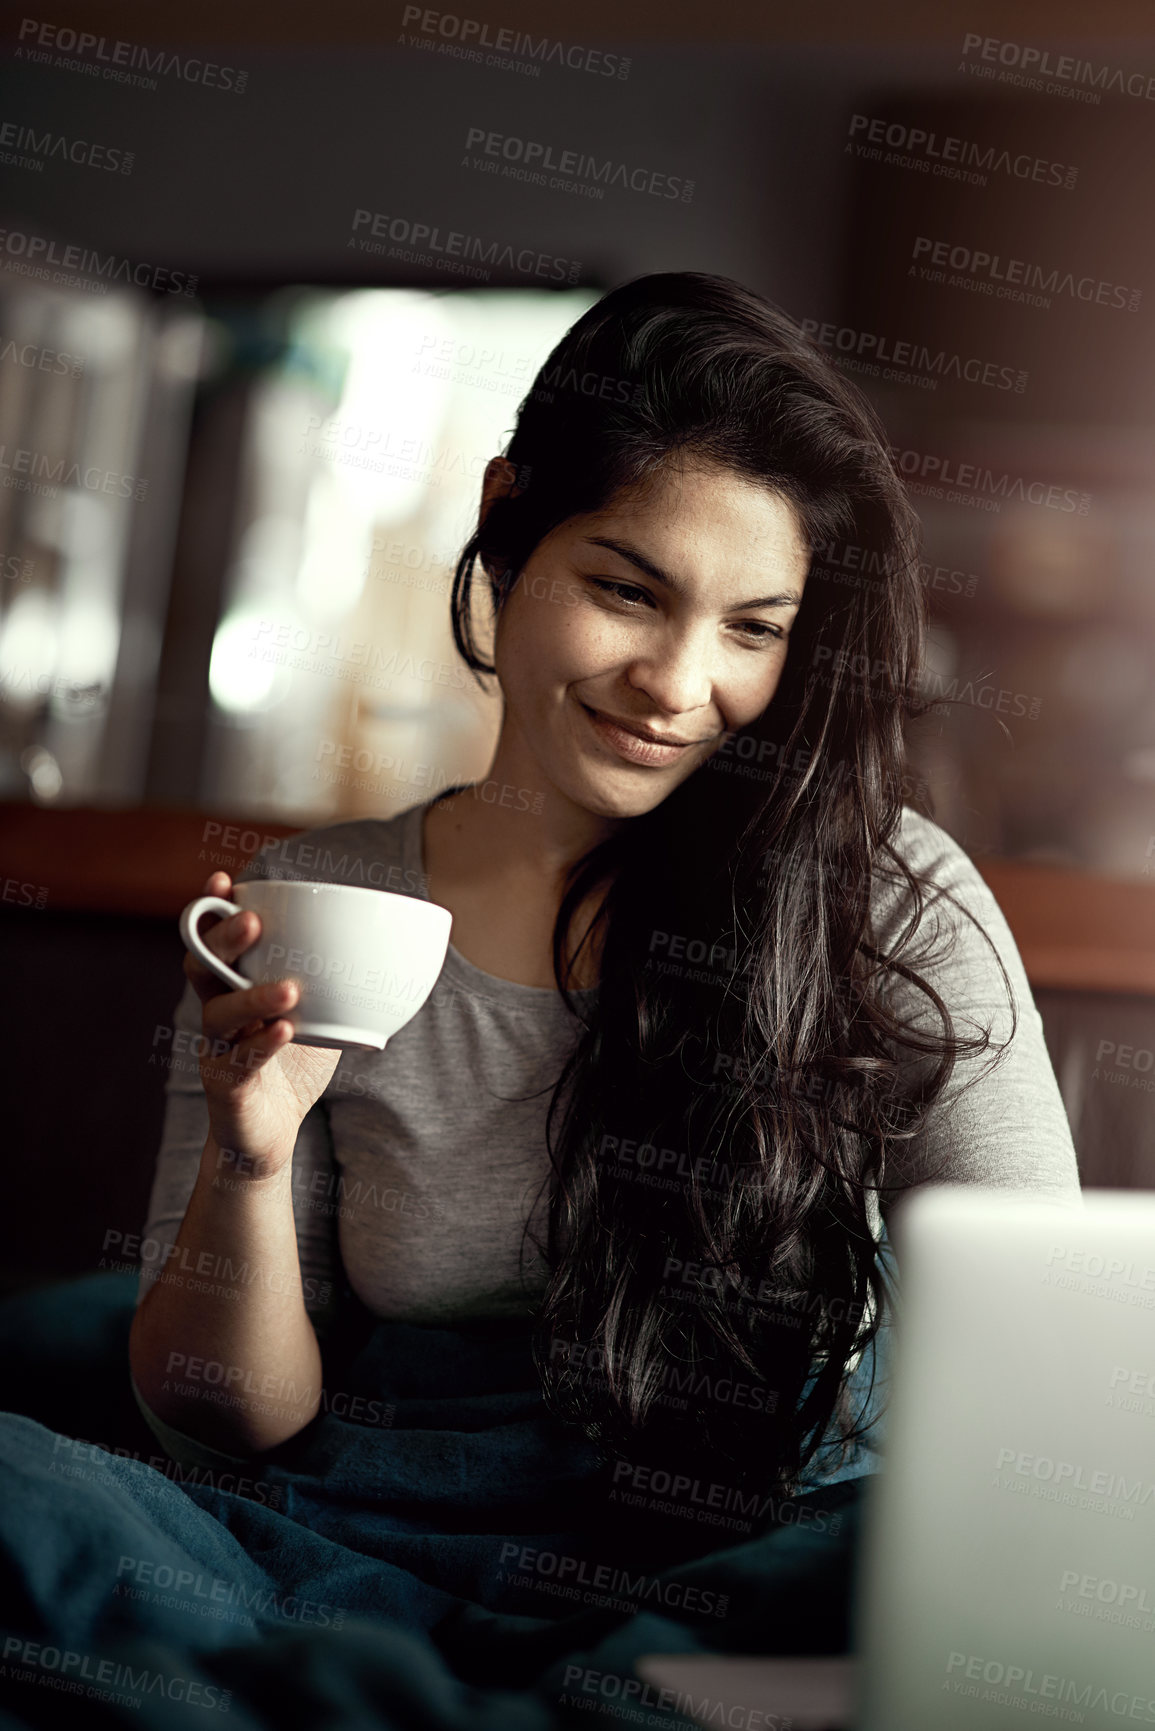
pixel 1001 1119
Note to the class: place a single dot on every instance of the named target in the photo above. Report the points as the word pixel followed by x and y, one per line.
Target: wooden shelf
pixel 144 860
pixel 1075 931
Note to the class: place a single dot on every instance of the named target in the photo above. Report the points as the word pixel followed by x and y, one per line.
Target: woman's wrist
pixel 233 1170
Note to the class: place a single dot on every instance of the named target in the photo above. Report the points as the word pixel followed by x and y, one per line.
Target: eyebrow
pixel 785 598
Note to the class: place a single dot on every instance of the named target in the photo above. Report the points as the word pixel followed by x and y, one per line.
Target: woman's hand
pixel 257 1084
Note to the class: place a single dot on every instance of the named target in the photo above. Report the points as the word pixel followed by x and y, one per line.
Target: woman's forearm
pixel 222 1347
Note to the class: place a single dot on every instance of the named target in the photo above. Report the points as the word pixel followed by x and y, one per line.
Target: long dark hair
pixel 722 1131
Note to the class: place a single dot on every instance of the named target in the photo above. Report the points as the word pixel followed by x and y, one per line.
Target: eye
pixel 763 633
pixel 626 593
pixel 629 595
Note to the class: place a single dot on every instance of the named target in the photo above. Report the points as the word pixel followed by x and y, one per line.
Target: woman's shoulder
pixel 953 892
pixel 376 853
pixel 927 847
pixel 998 1122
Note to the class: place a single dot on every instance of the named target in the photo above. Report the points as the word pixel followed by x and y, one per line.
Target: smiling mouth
pixel 634 746
pixel 638 732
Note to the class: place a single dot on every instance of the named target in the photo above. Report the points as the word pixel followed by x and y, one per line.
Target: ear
pixel 498 483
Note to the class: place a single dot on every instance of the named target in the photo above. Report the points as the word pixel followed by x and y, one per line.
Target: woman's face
pixel 667 615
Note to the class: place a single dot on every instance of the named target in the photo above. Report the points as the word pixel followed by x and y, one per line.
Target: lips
pixel 630 746
pixel 638 732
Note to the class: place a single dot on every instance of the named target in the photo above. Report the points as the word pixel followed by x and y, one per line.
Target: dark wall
pixel 79 1023
pixel 264 185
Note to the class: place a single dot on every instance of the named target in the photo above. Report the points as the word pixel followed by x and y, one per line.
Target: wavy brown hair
pixel 708 1296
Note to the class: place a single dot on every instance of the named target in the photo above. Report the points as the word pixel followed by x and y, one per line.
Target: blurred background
pixel 271 291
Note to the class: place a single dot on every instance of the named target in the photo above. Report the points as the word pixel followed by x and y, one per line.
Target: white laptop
pixel 1006 1575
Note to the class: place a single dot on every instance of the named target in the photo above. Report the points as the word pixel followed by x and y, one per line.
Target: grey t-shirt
pixel 418 1169
pixel 415 1172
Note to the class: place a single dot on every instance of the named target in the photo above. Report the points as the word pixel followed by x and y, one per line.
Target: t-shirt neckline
pixel 461 972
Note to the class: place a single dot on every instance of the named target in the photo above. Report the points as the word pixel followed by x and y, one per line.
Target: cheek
pixel 596 643
pixel 550 632
pixel 539 639
pixel 748 690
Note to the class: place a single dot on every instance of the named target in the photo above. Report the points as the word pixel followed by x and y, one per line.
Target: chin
pixel 604 799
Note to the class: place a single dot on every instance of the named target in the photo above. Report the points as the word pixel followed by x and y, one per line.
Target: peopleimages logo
pixel 360 661
pixel 583 1688
pixel 464 38
pixel 55 42
pixel 38 472
pixel 1070 1483
pixel 1017 279
pixel 716 1504
pixel 970 483
pixel 603 1583
pixel 948 157
pixel 528 159
pixel 450 249
pixel 65 1669
pixel 1007 1684
pixel 93 1461
pixel 41 360
pixel 846 562
pixel 41 146
pixel 1106 1592
pixel 219 1590
pixel 883 357
pixel 36 253
pixel 1019 63
pixel 678 1385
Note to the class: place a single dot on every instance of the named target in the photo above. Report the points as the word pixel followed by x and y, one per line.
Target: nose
pixel 675 673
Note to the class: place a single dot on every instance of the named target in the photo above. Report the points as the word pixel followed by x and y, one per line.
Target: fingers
pixel 231 1068
pixel 245 1030
pixel 253 1052
pixel 237 1015
pixel 253 1022
pixel 228 938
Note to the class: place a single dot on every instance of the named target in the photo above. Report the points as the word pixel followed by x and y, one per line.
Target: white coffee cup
pixel 365 960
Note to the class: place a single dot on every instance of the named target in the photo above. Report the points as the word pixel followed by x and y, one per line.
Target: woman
pixel 715 997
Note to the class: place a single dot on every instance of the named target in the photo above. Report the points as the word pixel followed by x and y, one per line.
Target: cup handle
pixel 189 921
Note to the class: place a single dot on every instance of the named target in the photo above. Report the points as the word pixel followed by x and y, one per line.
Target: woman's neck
pixel 511 823
pixel 500 869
